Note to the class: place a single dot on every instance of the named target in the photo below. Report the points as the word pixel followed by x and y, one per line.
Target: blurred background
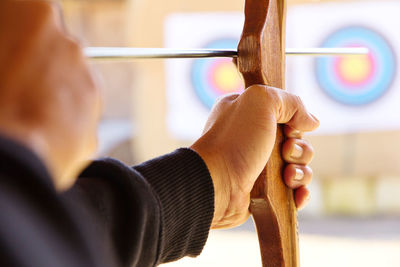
pixel 152 107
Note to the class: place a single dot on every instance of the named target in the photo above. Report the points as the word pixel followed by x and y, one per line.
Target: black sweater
pixel 115 215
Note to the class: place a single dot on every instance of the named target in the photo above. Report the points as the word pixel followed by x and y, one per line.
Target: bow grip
pixel 261 60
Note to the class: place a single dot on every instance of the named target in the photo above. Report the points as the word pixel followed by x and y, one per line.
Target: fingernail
pixel 299 174
pixel 296 133
pixel 297 151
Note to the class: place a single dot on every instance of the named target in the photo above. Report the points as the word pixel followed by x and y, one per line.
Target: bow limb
pixel 261 60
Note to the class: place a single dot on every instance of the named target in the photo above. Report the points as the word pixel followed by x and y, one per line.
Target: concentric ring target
pixel 357 80
pixel 212 78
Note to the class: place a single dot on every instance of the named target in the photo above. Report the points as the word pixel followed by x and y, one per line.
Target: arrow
pixel 126 53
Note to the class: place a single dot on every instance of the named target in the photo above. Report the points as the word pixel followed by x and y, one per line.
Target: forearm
pixel 183 184
pixel 155 212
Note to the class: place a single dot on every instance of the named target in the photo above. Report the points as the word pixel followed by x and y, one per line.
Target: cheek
pixel 92 144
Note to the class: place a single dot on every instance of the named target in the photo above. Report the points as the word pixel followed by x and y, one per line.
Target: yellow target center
pixel 227 78
pixel 355 69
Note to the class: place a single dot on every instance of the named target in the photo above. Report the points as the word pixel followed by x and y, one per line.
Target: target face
pixel 212 78
pixel 357 80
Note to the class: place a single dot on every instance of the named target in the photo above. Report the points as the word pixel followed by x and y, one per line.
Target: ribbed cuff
pixel 185 189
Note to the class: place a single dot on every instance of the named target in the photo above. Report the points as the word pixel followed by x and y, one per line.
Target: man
pixel 115 215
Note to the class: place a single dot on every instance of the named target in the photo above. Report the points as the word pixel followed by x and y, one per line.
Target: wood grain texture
pixel 262 61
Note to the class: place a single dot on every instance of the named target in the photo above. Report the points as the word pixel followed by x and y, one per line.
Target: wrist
pixel 220 182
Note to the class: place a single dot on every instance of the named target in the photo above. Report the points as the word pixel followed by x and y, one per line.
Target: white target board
pixel 194 85
pixel 348 94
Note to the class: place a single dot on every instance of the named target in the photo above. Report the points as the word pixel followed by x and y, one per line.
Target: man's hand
pixel 238 140
pixel 48 97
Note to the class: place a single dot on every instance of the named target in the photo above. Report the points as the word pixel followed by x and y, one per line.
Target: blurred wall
pixel 105 23
pixel 351 170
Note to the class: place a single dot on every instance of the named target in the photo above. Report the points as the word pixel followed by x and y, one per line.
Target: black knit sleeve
pixel 184 187
pixel 126 208
pixel 155 212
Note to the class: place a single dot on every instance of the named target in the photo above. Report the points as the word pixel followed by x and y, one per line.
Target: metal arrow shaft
pixel 126 53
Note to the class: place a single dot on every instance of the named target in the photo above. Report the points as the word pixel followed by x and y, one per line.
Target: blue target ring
pixel 357 81
pixel 206 89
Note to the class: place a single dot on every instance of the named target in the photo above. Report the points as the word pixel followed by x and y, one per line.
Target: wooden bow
pixel 262 61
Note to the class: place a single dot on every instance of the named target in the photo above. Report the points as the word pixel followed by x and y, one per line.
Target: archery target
pixel 192 86
pixel 349 94
pixel 212 78
pixel 361 79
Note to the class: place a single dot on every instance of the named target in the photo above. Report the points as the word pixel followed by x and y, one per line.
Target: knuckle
pixel 73 46
pixel 267 95
pixel 309 149
pixel 272 93
pixel 274 98
pixel 263 90
pixel 230 97
pixel 255 88
pixel 298 101
pixel 224 99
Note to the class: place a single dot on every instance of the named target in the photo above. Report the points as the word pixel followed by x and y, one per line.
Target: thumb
pixel 293 113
